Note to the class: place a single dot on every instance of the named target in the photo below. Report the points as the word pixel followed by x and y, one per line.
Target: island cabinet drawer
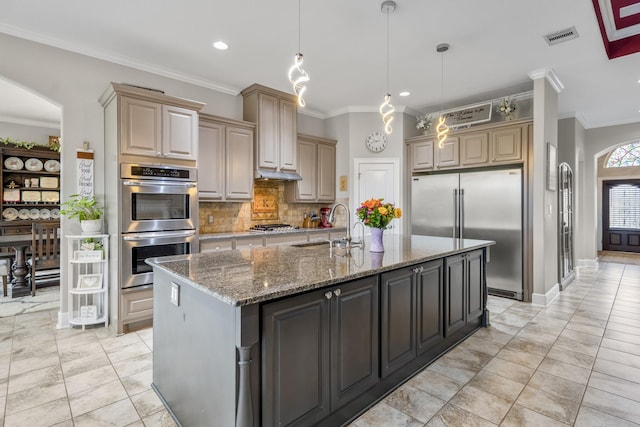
pixel 136 305
pixel 216 245
pixel 411 314
pixel 320 352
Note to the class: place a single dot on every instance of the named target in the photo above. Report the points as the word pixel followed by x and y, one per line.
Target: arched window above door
pixel 625 155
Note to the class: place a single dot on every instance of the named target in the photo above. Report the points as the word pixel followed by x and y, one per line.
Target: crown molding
pixel 550 76
pixel 27 122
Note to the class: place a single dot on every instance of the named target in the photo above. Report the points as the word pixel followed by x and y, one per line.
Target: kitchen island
pixel 306 335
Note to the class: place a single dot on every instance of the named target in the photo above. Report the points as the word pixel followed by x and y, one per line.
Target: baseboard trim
pixel 588 262
pixel 544 300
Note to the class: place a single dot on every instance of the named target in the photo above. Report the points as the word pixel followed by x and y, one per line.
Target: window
pixel 625 155
pixel 624 206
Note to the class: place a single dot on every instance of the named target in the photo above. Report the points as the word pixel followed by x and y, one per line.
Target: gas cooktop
pixel 272 228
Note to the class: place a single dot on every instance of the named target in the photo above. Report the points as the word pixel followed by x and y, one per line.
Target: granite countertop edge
pixel 258 295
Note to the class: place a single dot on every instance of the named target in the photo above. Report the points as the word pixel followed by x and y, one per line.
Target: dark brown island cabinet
pixel 284 335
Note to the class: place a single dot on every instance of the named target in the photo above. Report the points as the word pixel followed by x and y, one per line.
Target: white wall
pixel 18 132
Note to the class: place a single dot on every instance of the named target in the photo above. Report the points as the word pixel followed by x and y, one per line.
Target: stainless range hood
pixel 277 175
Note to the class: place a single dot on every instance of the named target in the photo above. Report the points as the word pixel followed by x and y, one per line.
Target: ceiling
pixel 495 44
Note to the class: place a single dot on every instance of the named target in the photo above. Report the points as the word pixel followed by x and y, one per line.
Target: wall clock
pixel 376 141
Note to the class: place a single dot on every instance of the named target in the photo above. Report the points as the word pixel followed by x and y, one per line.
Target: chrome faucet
pixel 332 219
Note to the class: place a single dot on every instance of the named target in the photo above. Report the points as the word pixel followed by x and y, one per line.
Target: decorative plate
pixel 34 213
pixel 55 213
pixel 45 213
pixel 33 165
pixel 10 214
pixel 23 214
pixel 13 163
pixel 52 166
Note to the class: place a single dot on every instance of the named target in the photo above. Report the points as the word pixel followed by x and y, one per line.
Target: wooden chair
pixel 45 254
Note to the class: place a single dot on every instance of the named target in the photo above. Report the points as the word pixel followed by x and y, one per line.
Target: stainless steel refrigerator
pixel 483 205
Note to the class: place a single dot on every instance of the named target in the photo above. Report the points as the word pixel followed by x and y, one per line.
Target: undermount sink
pixel 310 244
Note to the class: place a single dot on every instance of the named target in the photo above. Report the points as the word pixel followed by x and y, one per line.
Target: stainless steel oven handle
pixel 145 236
pixel 156 184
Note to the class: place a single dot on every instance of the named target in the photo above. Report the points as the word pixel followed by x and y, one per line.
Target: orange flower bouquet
pixel 377 214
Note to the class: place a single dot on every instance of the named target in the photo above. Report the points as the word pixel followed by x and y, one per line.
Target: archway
pixel 618 187
pixel 26 118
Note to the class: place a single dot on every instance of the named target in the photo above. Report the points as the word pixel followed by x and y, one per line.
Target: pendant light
pixel 386 109
pixel 441 128
pixel 298 81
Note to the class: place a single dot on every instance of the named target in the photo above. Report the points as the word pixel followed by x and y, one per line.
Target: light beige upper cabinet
pixel 474 148
pixel 225 164
pixel 275 115
pixel 317 161
pixel 506 144
pixel 150 124
pixel 422 155
pixel 327 171
pixel 448 155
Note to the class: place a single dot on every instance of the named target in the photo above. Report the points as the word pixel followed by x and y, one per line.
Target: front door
pixel 621 215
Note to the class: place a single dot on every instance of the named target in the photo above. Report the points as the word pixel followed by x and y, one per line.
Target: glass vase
pixel 376 244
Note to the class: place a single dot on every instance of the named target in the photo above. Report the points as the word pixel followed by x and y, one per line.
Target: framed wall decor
pixel 89 281
pixel 552 167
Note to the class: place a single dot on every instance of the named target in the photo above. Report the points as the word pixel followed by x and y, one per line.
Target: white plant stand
pixel 88 280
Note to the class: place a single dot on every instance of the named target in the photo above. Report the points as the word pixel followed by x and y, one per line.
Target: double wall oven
pixel 158 217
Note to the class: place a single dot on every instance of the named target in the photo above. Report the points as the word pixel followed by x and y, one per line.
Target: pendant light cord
pixel 299 26
pixel 387 51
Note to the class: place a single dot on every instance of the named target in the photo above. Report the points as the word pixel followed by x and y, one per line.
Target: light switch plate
pixel 175 294
pixel 343 183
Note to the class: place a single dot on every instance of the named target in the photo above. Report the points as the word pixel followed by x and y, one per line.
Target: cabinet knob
pixel 328 295
pixel 416 270
pixel 337 292
pixel 421 269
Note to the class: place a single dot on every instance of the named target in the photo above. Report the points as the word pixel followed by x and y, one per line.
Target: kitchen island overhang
pixel 214 356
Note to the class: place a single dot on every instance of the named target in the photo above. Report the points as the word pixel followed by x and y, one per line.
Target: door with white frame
pixel 377 178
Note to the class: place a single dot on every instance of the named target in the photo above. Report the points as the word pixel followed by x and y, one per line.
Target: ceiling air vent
pixel 561 36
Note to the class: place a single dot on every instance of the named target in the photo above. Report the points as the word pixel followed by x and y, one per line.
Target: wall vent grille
pixel 561 36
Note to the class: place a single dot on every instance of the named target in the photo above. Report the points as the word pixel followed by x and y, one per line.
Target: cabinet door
pixel 211 162
pixel 239 161
pixel 430 296
pixel 422 155
pixel 295 355
pixel 455 294
pixel 449 154
pixel 397 319
pixel 308 160
pixel 326 172
pixel 141 132
pixel 506 145
pixel 354 340
pixel 475 278
pixel 268 131
pixel 179 133
pixel 288 135
pixel 474 148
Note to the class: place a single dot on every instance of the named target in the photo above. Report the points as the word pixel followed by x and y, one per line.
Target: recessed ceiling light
pixel 220 45
pixel 405 93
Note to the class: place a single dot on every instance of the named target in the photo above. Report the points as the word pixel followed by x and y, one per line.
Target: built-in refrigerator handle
pixel 455 212
pixel 461 213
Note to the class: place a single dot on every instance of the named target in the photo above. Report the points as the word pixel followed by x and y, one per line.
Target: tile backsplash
pixel 239 216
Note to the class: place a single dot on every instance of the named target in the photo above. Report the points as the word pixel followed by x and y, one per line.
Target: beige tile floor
pixel 576 362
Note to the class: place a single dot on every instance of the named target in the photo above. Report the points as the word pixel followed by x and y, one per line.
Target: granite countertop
pixel 249 276
pixel 248 234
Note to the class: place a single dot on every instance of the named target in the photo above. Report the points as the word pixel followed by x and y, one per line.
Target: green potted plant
pixel 87 210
